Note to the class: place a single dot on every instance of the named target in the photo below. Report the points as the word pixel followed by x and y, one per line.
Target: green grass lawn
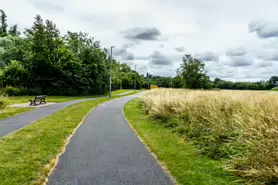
pixel 181 158
pixel 120 91
pixel 12 111
pixel 27 156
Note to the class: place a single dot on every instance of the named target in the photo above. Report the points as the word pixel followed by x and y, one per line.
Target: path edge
pixel 162 165
pixel 55 160
pixel 10 133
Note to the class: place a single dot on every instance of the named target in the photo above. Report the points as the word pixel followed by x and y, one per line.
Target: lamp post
pixel 135 79
pixel 110 85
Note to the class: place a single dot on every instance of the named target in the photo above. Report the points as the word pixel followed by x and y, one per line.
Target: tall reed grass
pixel 3 102
pixel 241 126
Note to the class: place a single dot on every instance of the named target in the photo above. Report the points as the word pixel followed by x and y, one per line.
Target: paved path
pixel 125 93
pixel 105 151
pixel 17 122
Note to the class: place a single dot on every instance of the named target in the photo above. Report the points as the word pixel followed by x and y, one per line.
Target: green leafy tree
pixel 14 74
pixel 14 30
pixel 4 25
pixel 193 73
pixel 43 57
pixel 12 48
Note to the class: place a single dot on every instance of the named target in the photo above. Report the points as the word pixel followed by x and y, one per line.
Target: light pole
pixel 135 79
pixel 148 81
pixel 110 85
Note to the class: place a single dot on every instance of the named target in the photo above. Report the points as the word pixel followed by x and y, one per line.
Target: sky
pixel 237 40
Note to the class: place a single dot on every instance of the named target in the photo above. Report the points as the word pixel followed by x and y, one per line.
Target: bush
pixel 274 89
pixel 241 126
pixel 12 91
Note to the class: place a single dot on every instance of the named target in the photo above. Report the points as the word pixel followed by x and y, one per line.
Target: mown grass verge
pixel 120 91
pixel 6 112
pixel 12 111
pixel 181 158
pixel 27 156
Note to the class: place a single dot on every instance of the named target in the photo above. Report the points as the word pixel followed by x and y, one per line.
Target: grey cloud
pixel 240 62
pixel 269 56
pixel 122 53
pixel 128 56
pixel 158 58
pixel 146 34
pixel 129 45
pixel 119 51
pixel 180 49
pixel 48 6
pixel 264 64
pixel 221 75
pixel 207 56
pixel 264 29
pixel 142 57
pixel 236 52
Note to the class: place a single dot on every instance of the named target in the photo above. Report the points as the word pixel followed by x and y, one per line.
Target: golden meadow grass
pixel 241 126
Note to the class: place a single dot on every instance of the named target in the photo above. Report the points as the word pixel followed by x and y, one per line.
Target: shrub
pixel 274 89
pixel 12 91
pixel 241 126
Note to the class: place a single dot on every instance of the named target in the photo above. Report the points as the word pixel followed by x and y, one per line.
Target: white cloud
pixel 199 26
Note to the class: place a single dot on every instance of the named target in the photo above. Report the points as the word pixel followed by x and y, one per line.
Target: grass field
pixel 28 155
pixel 180 157
pixel 11 111
pixel 238 127
pixel 122 91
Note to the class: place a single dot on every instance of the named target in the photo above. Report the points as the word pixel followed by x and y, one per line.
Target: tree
pixel 193 73
pixel 4 25
pixel 14 30
pixel 14 74
pixel 11 48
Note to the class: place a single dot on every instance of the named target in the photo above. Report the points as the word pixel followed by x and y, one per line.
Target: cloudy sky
pixel 238 40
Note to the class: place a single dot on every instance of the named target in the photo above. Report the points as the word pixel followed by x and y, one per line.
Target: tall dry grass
pixel 239 125
pixel 3 102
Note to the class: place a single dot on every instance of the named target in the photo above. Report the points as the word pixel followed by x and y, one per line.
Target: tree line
pixel 192 75
pixel 42 61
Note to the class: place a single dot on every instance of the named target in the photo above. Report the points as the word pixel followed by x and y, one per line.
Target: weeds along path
pixel 15 123
pixel 105 150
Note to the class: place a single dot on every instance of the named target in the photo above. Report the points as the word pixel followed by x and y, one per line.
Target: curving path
pixel 15 123
pixel 105 151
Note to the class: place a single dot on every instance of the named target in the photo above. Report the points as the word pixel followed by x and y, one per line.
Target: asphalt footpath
pixel 105 151
pixel 15 123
